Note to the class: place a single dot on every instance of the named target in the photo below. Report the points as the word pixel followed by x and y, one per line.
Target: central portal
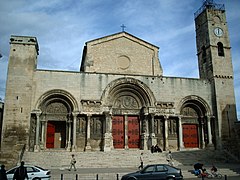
pixel 126 132
pixel 190 135
pixel 56 134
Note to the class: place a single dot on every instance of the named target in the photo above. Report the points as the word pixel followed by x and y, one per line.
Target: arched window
pixel 220 49
pixel 204 54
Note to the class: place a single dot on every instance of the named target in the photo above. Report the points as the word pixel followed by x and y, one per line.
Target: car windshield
pixel 11 171
pixel 172 169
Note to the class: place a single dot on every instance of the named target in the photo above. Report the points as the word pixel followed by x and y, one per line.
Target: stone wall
pixel 91 86
pixel 121 53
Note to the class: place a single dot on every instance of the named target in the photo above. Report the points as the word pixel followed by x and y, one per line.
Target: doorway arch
pixel 128 100
pixel 56 107
pixel 194 113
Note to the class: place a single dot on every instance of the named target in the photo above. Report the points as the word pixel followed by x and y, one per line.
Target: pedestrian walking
pixel 141 161
pixel 3 175
pixel 169 158
pixel 72 163
pixel 20 173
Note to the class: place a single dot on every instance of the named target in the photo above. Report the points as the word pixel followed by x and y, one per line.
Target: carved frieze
pixel 125 111
pixel 126 102
pixel 56 108
pixel 59 117
pixel 158 126
pixel 81 125
pixel 96 127
pixel 165 105
pixel 91 105
pixel 188 111
pixel 165 108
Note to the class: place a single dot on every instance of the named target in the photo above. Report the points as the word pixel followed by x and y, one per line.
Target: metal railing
pixel 209 4
pixel 86 177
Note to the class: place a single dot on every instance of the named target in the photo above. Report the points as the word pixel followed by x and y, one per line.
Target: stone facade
pixel 120 98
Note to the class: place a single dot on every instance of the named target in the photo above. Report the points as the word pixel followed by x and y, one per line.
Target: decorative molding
pixel 91 106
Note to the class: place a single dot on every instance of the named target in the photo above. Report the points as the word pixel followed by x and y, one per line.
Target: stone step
pixel 61 160
pixel 123 159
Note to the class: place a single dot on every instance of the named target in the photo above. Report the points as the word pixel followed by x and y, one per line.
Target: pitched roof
pixel 118 35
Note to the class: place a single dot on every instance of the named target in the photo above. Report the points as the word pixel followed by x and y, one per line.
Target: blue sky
pixel 63 26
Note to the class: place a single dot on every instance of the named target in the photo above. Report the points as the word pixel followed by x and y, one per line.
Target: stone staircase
pixel 113 159
pixel 108 164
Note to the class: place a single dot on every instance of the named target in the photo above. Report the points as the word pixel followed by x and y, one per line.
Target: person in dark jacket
pixel 20 173
pixel 198 167
pixel 3 175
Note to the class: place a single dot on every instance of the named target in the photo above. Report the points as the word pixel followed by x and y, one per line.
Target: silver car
pixel 34 173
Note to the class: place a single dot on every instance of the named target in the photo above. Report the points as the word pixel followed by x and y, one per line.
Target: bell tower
pixel 215 64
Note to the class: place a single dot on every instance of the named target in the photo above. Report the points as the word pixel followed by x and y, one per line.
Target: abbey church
pixel 120 99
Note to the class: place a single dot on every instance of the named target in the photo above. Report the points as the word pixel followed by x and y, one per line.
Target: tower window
pixel 204 54
pixel 220 49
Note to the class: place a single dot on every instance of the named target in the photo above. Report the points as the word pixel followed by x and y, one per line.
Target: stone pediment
pixel 121 35
pixel 121 53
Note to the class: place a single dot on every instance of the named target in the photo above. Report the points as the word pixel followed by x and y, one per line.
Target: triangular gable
pixel 119 35
pixel 121 53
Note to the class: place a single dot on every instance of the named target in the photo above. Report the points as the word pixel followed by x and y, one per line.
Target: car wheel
pixel 131 178
pixel 219 176
pixel 171 179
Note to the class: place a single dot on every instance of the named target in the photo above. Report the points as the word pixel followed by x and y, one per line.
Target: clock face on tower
pixel 218 32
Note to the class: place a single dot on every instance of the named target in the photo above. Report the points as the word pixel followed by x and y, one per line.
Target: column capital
pixel 107 113
pixel 152 114
pixel 210 117
pixel 88 115
pixel 75 113
pixel 179 116
pixel 166 117
pixel 37 112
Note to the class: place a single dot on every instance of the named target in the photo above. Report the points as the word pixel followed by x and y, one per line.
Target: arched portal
pixel 129 100
pixel 55 119
pixel 195 113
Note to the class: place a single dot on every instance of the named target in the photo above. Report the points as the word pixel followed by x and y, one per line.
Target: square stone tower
pixel 19 89
pixel 215 64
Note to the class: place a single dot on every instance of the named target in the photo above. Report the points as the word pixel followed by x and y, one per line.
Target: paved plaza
pixel 229 172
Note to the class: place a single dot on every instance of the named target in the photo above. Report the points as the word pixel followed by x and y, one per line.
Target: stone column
pixel 166 132
pixel 74 144
pixel 69 134
pixel 88 145
pixel 37 147
pixel 108 139
pixel 202 132
pixel 181 146
pixel 126 131
pixel 210 143
pixel 144 135
pixel 43 126
pixel 153 140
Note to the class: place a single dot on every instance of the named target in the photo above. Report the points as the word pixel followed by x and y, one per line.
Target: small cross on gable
pixel 123 27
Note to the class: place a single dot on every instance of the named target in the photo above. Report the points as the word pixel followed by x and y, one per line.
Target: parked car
pixel 155 171
pixel 34 173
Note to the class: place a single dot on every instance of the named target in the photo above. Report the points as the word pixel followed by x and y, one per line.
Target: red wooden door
pixel 133 132
pixel 50 135
pixel 190 135
pixel 118 131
